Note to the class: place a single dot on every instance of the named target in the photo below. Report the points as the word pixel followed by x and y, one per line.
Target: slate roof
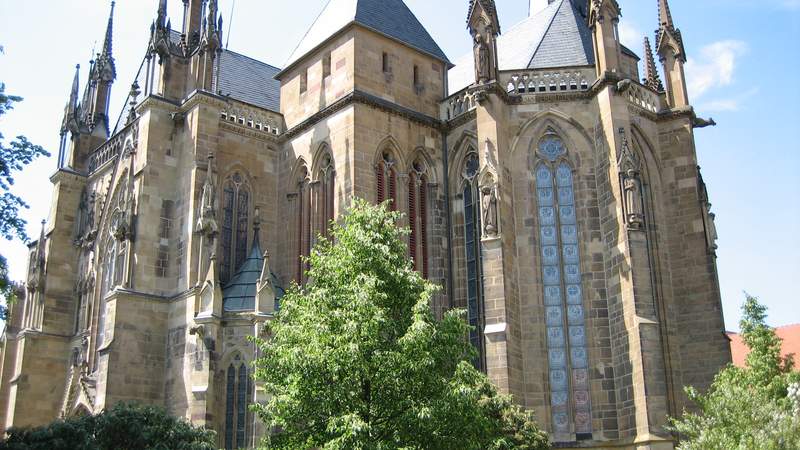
pixel 240 293
pixel 557 36
pixel 391 18
pixel 250 81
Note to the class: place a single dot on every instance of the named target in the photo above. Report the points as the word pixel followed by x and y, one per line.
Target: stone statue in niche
pixel 711 228
pixel 207 223
pixel 489 208
pixel 482 69
pixel 633 200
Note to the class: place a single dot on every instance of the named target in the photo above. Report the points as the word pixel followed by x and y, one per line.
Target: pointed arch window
pixel 563 292
pixel 235 224
pixel 472 245
pixel 238 391
pixel 386 176
pixel 303 221
pixel 418 216
pixel 326 194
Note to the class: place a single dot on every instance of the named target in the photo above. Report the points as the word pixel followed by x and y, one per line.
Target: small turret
pixel 671 52
pixel 102 76
pixel 651 78
pixel 70 124
pixel 484 26
pixel 604 21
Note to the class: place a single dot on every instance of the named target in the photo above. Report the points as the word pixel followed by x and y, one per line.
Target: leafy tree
pixel 356 359
pixel 752 408
pixel 123 427
pixel 13 158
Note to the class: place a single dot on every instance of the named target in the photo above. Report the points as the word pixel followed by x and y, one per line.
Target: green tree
pixel 14 156
pixel 356 360
pixel 752 408
pixel 123 427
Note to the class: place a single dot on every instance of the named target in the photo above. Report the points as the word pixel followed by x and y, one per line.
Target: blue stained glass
pixel 544 178
pixel 561 422
pixel 558 379
pixel 579 358
pixel 566 196
pixel 567 215
pixel 551 148
pixel 547 215
pixel 571 254
pixel 560 398
pixel 577 336
pixel 557 358
pixel 552 296
pixel 574 295
pixel 569 234
pixel 545 196
pixel 572 274
pixel 549 235
pixel 555 337
pixel 554 316
pixel 575 314
pixel 564 176
pixel 551 276
pixel 550 255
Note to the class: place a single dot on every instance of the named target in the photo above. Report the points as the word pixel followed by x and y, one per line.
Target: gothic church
pixel 551 189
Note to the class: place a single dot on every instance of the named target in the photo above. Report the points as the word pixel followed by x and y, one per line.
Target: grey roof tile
pixel 250 81
pixel 391 18
pixel 240 293
pixel 557 36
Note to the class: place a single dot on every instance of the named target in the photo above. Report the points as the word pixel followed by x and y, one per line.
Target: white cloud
pixel 729 104
pixel 715 66
pixel 631 36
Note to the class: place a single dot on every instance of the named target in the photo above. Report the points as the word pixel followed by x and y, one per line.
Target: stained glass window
pixel 564 309
pixel 241 406
pixel 418 217
pixel 327 179
pixel 230 398
pixel 472 245
pixel 386 176
pixel 235 225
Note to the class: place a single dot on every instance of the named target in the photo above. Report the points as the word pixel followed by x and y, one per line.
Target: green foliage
pixel 752 408
pixel 124 427
pixel 356 360
pixel 13 158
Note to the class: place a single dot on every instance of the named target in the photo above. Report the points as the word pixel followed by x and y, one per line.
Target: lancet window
pixel 326 194
pixel 303 218
pixel 418 216
pixel 235 225
pixel 386 177
pixel 238 392
pixel 563 291
pixel 472 245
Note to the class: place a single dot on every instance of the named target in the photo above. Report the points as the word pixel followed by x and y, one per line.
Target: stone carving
pixel 482 63
pixel 489 208
pixel 207 223
pixel 711 229
pixel 633 200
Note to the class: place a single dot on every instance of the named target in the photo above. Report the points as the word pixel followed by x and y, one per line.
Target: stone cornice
pixel 363 98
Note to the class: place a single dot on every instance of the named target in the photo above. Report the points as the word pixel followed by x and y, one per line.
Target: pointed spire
pixel 161 18
pixel 651 77
pixel 108 43
pixel 73 94
pixel 664 14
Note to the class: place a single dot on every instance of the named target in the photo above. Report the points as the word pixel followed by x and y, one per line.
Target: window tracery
pixel 326 195
pixel 303 217
pixel 235 225
pixel 472 245
pixel 418 216
pixel 386 176
pixel 563 296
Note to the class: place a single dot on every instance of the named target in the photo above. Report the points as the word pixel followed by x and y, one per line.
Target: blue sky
pixel 743 57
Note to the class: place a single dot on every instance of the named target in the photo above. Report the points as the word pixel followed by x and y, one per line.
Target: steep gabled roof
pixel 391 18
pixel 240 293
pixel 250 81
pixel 557 36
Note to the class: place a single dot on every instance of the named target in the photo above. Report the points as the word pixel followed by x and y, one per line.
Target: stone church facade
pixel 550 188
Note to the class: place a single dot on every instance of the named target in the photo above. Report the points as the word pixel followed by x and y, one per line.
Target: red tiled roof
pixel 790 335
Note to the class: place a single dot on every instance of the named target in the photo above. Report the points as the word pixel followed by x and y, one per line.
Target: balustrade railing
pixel 520 82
